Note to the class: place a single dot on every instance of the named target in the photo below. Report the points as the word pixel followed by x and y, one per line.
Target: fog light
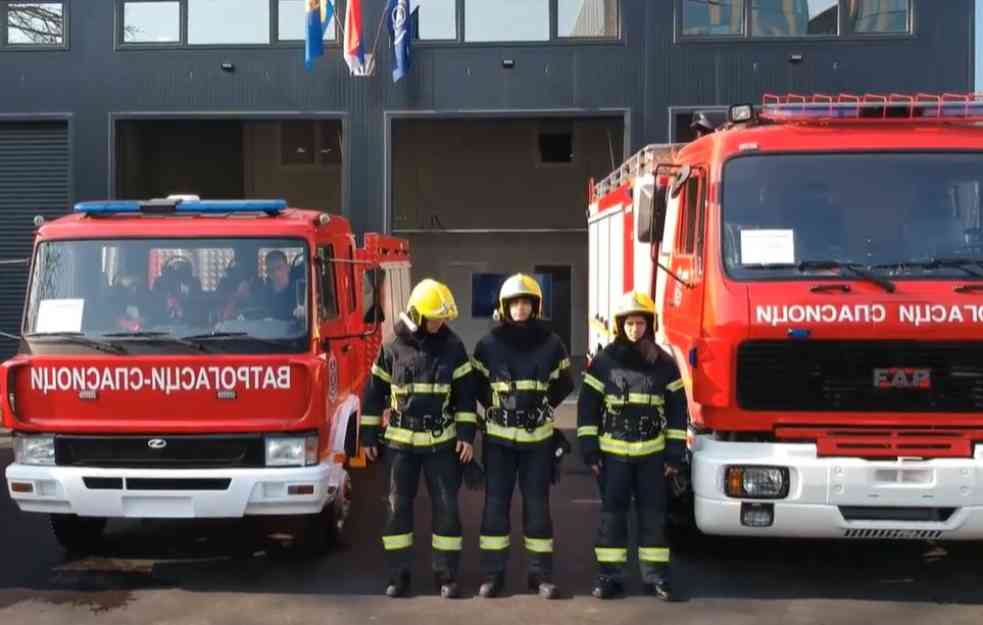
pixel 22 487
pixel 757 514
pixel 300 489
pixel 757 482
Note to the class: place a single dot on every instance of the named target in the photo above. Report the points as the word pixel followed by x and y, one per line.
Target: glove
pixel 592 457
pixel 679 483
pixel 473 475
pixel 561 447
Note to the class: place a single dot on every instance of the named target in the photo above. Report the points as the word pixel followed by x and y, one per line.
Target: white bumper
pixel 820 489
pixel 258 491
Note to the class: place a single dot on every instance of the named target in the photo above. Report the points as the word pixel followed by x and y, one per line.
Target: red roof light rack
pixel 945 108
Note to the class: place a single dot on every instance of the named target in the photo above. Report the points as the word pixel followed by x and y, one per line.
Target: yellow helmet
pixel 634 303
pixel 519 285
pixel 431 300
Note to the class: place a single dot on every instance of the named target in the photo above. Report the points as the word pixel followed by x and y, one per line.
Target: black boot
pixel 399 586
pixel 447 586
pixel 492 586
pixel 661 589
pixel 607 588
pixel 543 585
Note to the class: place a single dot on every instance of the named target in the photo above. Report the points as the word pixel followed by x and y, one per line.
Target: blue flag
pixel 318 15
pixel 400 25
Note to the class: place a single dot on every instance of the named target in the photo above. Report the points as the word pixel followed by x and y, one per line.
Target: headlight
pixel 34 450
pixel 291 451
pixel 757 482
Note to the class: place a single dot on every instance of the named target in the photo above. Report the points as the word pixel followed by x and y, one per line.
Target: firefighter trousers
pixel 532 467
pixel 443 475
pixel 620 482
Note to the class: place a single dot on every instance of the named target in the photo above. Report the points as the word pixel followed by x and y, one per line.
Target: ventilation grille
pixel 897 534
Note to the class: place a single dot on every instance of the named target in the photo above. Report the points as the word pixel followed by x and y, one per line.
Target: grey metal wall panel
pixel 646 72
pixel 34 180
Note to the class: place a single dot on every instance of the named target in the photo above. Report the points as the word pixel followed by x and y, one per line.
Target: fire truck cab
pixel 195 359
pixel 818 268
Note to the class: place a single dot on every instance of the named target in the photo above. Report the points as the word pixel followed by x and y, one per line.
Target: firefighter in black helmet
pixel 523 373
pixel 631 420
pixel 424 379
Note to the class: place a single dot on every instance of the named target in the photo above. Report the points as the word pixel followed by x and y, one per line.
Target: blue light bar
pixel 204 207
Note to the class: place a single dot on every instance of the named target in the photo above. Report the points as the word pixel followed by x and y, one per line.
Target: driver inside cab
pixel 280 294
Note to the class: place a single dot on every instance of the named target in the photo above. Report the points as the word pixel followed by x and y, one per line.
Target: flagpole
pixel 378 31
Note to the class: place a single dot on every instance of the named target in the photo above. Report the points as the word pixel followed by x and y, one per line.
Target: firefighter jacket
pixel 632 404
pixel 426 381
pixel 523 374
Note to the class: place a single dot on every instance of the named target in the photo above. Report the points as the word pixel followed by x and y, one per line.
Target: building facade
pixel 480 156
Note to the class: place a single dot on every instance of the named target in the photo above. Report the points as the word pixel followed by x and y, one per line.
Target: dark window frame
pixel 26 47
pixel 184 44
pixel 746 36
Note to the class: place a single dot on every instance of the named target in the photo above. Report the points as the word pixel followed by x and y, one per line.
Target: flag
pixel 354 52
pixel 318 15
pixel 400 26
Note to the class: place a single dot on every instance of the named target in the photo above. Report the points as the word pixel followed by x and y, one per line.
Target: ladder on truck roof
pixel 642 162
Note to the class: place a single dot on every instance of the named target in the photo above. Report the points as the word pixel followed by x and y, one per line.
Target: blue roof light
pixel 213 207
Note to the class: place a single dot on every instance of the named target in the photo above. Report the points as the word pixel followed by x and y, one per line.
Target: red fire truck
pixel 183 358
pixel 817 263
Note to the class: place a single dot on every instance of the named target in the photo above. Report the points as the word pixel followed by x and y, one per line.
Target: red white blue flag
pixel 354 51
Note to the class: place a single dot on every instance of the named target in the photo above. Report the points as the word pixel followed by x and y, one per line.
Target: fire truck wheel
pixel 77 534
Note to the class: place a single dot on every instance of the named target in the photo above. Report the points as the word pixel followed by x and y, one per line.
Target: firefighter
pixel 523 374
pixel 631 420
pixel 423 381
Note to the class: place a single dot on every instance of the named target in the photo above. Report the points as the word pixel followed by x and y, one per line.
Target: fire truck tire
pixel 77 534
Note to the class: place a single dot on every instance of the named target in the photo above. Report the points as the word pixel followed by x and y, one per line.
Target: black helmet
pixel 701 124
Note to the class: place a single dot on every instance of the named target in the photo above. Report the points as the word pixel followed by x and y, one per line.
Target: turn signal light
pixel 22 487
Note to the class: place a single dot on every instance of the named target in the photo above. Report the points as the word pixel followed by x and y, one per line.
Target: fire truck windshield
pixel 904 215
pixel 170 295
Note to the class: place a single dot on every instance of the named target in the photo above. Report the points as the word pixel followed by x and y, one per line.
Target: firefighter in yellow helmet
pixel 631 426
pixel 423 379
pixel 523 374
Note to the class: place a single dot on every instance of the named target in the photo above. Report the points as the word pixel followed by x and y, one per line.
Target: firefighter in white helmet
pixel 523 374
pixel 631 426
pixel 423 380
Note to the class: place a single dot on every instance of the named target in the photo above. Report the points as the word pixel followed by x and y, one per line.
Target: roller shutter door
pixel 34 180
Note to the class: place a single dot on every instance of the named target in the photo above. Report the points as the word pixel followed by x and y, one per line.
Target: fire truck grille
pixel 171 452
pixel 854 376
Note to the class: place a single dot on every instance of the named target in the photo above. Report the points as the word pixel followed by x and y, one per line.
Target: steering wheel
pixel 174 262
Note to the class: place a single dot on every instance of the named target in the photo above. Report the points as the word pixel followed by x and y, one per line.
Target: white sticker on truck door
pixel 767 247
pixel 60 315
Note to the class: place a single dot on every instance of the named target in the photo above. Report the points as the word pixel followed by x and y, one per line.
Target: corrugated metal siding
pixel 34 180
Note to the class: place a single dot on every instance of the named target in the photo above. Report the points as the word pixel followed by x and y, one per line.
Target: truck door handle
pixel 346 348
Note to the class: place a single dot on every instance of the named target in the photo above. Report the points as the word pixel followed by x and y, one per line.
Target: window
pixel 713 17
pixel 506 20
pixel 794 18
pixel 309 142
pixel 34 24
pixel 328 303
pixel 588 18
pixel 228 21
pixel 152 22
pixel 692 216
pixel 555 147
pixel 767 19
pixel 297 143
pixel 436 19
pixel 291 21
pixel 878 16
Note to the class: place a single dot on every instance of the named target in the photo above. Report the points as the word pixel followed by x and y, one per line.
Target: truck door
pixel 330 308
pixel 683 306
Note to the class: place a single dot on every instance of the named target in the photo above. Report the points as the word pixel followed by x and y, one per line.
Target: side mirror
pixel 651 206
